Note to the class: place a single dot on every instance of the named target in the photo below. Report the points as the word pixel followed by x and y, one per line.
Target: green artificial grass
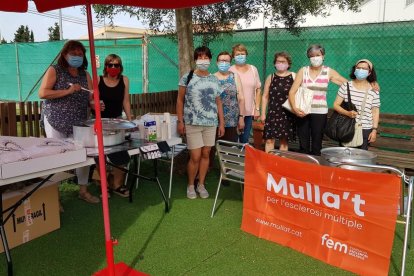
pixel 185 241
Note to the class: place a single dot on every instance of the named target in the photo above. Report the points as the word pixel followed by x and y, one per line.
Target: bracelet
pixel 257 109
pixel 241 116
pixel 374 128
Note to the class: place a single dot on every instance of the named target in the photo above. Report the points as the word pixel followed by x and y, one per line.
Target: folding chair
pixel 231 158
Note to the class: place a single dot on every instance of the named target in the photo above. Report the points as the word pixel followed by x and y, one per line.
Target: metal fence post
pixel 19 90
pixel 145 64
pixel 264 55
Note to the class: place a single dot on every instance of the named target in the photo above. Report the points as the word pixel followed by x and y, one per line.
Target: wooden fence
pixel 23 119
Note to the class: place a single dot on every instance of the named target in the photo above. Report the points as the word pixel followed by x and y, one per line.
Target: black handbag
pixel 340 127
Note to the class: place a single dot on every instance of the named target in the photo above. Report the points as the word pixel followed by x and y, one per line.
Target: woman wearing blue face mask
pixel 251 84
pixel 66 104
pixel 199 112
pixel 232 99
pixel 362 75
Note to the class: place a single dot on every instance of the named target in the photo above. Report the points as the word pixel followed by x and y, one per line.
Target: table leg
pixel 4 239
pixel 171 175
pixel 159 186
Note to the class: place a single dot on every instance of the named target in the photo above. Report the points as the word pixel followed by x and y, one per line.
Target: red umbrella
pixel 47 5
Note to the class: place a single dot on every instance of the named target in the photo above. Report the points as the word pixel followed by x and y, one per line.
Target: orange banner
pixel 342 217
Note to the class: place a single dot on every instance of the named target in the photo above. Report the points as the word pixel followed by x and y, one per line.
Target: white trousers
pixel 83 172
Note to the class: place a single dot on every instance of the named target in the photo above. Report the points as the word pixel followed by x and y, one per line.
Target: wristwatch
pixel 257 109
pixel 241 116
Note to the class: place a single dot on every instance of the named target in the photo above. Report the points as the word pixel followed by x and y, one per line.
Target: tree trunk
pixel 184 25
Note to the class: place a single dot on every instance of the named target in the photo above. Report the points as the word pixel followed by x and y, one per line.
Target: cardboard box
pixel 36 216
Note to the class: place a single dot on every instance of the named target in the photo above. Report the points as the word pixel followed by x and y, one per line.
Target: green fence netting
pixel 390 46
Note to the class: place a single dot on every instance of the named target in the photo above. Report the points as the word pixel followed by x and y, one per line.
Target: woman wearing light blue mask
pixel 66 104
pixel 251 84
pixel 363 75
pixel 199 113
pixel 232 99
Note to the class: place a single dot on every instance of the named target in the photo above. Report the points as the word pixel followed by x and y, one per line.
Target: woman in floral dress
pixel 279 123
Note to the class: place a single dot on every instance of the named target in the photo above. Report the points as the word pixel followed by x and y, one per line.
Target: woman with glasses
pixel 114 96
pixel 114 89
pixel 66 103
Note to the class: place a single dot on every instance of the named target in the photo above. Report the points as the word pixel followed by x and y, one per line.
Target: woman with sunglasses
pixel 66 103
pixel 114 95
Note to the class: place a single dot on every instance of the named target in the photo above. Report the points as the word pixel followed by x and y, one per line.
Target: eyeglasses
pixel 113 65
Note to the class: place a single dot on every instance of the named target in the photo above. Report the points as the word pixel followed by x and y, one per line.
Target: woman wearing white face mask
pixel 311 126
pixel 251 84
pixel 362 75
pixel 198 104
pixel 279 123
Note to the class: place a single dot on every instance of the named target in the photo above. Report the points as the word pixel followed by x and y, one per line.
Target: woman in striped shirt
pixel 362 74
pixel 316 77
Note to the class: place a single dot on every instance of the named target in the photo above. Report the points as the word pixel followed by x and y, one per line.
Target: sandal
pixel 89 198
pixel 121 191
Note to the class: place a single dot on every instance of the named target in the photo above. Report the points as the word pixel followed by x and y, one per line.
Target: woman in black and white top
pixel 362 74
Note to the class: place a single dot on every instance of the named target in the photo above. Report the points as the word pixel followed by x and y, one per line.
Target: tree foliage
pixel 3 41
pixel 23 34
pixel 54 32
pixel 215 18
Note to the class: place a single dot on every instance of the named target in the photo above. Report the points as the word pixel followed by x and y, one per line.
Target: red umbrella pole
pixel 102 166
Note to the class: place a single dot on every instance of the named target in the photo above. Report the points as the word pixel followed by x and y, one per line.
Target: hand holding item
pixel 299 112
pixel 352 114
pixel 74 88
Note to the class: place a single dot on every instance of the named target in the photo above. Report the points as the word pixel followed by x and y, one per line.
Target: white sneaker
pixel 201 189
pixel 191 193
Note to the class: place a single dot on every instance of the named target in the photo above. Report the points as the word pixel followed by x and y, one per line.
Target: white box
pixel 29 166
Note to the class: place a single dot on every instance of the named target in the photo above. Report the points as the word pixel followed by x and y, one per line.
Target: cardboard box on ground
pixel 36 216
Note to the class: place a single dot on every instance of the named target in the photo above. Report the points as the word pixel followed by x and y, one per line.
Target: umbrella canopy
pixel 47 5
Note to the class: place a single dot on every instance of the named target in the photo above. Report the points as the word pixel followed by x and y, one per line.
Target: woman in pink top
pixel 310 127
pixel 251 84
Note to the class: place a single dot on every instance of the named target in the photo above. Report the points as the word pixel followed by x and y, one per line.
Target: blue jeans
pixel 248 122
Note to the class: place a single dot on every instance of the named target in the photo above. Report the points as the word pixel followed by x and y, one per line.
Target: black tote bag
pixel 340 127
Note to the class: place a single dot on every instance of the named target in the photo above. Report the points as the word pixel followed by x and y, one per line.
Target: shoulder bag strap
pixel 305 74
pixel 349 97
